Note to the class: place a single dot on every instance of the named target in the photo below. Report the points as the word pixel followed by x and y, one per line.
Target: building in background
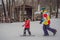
pixel 17 10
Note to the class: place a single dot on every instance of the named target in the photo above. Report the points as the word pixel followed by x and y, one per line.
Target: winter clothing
pixel 27 30
pixel 46 19
pixel 46 24
pixel 27 27
pixel 27 24
pixel 43 8
pixel 46 28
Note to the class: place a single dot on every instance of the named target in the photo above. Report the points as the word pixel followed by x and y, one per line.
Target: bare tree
pixel 4 8
pixel 23 8
pixel 33 10
pixel 57 8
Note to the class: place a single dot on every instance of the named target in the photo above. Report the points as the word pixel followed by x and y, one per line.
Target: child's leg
pixel 24 31
pixel 29 31
pixel 45 30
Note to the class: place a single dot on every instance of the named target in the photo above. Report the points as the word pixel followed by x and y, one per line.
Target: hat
pixel 43 8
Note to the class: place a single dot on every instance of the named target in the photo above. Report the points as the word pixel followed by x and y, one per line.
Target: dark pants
pixel 28 29
pixel 47 27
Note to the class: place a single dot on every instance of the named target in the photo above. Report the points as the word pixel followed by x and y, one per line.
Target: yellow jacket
pixel 45 22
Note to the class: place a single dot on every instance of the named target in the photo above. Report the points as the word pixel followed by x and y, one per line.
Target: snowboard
pixel 26 35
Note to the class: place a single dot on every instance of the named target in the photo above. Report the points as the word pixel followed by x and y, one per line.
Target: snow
pixel 12 31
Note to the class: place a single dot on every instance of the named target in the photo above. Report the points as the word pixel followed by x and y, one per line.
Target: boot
pixel 54 32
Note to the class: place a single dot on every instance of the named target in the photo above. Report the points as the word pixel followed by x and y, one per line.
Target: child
pixel 27 26
pixel 46 24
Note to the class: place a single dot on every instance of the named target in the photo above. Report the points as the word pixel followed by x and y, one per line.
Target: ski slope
pixel 13 31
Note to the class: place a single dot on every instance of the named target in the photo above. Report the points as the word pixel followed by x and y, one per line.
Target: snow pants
pixel 28 29
pixel 46 28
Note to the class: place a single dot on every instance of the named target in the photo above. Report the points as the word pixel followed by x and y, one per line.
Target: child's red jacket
pixel 27 24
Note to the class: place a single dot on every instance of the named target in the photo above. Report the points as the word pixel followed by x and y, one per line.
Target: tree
pixel 57 8
pixel 50 5
pixel 4 8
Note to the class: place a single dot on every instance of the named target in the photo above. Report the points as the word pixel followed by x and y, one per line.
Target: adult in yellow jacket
pixel 46 24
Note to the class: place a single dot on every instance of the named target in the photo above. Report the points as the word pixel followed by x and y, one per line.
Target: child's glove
pixel 40 22
pixel 22 25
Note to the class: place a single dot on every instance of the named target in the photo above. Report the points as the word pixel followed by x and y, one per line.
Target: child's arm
pixel 24 24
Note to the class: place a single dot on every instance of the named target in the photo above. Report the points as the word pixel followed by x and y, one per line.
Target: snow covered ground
pixel 13 31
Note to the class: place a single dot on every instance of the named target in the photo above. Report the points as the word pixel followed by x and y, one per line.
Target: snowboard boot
pixel 54 32
pixel 46 35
